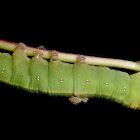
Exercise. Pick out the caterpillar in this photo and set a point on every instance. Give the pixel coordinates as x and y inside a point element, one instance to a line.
<point>60,77</point>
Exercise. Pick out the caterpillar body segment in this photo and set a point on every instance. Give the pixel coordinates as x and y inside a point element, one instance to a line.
<point>5,67</point>
<point>60,79</point>
<point>84,76</point>
<point>20,68</point>
<point>38,74</point>
<point>79,81</point>
<point>107,82</point>
<point>133,100</point>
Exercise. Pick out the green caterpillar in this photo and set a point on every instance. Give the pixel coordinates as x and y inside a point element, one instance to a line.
<point>79,81</point>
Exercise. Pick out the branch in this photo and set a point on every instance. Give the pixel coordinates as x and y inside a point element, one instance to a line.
<point>67,57</point>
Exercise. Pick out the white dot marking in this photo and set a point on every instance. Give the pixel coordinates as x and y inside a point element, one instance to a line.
<point>87,81</point>
<point>124,89</point>
<point>61,79</point>
<point>106,84</point>
<point>3,70</point>
<point>38,78</point>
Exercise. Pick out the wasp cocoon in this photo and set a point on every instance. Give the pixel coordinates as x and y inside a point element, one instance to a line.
<point>77,100</point>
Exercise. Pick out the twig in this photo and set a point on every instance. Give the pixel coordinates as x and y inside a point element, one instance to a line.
<point>67,57</point>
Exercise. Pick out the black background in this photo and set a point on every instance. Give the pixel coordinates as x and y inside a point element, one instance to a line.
<point>106,33</point>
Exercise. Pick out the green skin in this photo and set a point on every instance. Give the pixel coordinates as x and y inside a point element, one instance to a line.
<point>58,78</point>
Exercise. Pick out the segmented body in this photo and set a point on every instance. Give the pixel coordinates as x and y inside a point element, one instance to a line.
<point>79,81</point>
